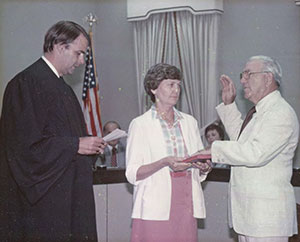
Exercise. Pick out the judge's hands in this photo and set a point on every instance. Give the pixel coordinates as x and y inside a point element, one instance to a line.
<point>176,164</point>
<point>228,90</point>
<point>91,145</point>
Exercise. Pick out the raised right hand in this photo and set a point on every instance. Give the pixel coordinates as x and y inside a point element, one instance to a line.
<point>228,90</point>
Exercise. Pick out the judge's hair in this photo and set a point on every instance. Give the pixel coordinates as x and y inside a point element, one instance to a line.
<point>271,65</point>
<point>156,74</point>
<point>63,32</point>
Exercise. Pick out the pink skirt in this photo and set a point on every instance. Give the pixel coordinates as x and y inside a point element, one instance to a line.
<point>181,227</point>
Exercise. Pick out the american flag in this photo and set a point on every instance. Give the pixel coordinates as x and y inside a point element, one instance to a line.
<point>90,96</point>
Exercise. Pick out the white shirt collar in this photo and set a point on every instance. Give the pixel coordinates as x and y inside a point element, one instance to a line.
<point>51,66</point>
<point>110,147</point>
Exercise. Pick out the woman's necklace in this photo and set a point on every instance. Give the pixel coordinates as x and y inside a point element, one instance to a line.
<point>169,120</point>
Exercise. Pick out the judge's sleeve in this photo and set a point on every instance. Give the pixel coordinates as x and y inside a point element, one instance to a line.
<point>36,154</point>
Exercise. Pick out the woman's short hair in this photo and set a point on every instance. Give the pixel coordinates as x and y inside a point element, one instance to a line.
<point>63,32</point>
<point>156,74</point>
<point>217,128</point>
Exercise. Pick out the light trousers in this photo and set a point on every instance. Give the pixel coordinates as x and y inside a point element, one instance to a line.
<point>243,238</point>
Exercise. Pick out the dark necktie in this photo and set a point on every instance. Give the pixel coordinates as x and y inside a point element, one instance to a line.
<point>114,157</point>
<point>247,119</point>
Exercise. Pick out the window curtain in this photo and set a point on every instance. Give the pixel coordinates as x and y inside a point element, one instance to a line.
<point>198,35</point>
<point>188,41</point>
<point>153,42</point>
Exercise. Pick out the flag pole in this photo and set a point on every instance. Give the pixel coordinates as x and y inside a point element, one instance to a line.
<point>92,19</point>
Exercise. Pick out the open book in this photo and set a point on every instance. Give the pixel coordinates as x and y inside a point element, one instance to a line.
<point>198,158</point>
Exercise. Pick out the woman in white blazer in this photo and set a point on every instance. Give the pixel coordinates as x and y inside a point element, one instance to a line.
<point>167,195</point>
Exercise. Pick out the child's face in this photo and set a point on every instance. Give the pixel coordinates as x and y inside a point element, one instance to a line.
<point>212,135</point>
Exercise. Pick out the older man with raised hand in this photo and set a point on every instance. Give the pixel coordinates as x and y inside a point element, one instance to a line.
<point>260,151</point>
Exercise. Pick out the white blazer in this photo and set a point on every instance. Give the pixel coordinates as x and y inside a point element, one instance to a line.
<point>146,144</point>
<point>262,197</point>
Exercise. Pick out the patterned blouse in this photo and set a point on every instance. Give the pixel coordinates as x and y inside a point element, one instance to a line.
<point>173,135</point>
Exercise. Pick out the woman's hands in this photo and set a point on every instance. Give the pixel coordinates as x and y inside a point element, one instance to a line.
<point>176,164</point>
<point>204,167</point>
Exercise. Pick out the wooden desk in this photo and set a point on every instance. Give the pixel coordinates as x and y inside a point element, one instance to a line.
<point>103,176</point>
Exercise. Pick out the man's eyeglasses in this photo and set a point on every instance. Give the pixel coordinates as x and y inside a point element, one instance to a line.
<point>246,74</point>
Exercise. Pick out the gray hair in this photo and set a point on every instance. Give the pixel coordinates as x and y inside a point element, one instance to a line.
<point>271,65</point>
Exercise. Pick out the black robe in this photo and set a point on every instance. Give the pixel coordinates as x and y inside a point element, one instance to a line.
<point>46,188</point>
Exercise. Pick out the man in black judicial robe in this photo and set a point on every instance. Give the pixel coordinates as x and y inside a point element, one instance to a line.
<point>46,156</point>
